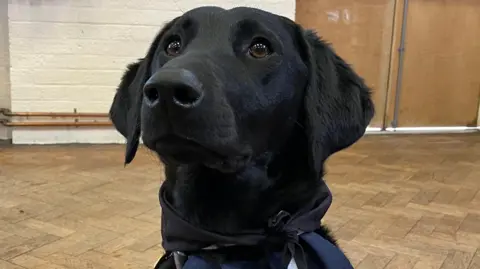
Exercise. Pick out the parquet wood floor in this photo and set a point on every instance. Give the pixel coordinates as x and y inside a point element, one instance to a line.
<point>399,202</point>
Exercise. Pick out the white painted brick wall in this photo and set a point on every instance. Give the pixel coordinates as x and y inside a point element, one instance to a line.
<point>67,54</point>
<point>4,66</point>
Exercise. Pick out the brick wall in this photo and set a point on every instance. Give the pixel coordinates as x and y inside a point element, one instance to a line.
<point>65,52</point>
<point>4,65</point>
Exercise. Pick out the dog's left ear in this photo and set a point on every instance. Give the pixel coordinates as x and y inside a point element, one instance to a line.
<point>337,102</point>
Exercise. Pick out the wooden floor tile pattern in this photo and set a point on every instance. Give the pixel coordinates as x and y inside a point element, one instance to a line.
<point>403,202</point>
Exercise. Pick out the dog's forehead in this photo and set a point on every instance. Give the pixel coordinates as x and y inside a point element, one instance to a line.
<point>216,20</point>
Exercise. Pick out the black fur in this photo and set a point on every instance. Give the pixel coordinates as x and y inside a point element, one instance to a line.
<point>265,127</point>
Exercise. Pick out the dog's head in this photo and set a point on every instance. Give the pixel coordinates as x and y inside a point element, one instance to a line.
<point>219,87</point>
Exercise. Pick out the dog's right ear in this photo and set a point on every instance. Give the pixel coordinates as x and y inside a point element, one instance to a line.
<point>125,109</point>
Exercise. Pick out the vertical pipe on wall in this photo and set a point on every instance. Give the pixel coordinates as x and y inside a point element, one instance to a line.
<point>389,79</point>
<point>401,56</point>
<point>478,115</point>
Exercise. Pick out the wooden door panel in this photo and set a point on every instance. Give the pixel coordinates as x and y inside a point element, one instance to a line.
<point>441,81</point>
<point>361,33</point>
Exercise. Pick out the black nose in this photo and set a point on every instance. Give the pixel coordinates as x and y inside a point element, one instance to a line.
<point>178,86</point>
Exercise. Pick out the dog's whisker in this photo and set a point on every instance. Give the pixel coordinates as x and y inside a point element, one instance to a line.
<point>299,124</point>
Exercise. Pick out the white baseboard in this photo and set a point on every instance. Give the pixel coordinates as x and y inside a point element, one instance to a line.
<point>423,130</point>
<point>66,136</point>
<point>111,136</point>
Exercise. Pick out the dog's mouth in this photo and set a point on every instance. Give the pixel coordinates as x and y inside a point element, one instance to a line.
<point>188,151</point>
<point>229,165</point>
<point>183,149</point>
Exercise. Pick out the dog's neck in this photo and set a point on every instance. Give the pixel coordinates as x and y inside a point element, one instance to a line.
<point>229,203</point>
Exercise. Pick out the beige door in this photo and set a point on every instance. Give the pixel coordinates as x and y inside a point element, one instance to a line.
<point>361,33</point>
<point>441,74</point>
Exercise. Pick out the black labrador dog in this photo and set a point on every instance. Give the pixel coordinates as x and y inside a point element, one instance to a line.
<point>243,107</point>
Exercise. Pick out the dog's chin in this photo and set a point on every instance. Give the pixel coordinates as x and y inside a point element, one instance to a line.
<point>183,151</point>
<point>221,164</point>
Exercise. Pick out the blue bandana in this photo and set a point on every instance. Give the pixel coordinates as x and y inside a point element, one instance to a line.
<point>187,246</point>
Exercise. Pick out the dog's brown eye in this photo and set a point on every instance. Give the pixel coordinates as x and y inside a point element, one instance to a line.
<point>173,48</point>
<point>259,50</point>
